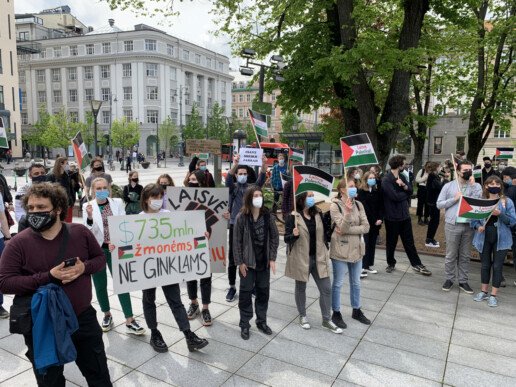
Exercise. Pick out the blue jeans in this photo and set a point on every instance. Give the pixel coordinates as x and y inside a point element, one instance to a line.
<point>339,271</point>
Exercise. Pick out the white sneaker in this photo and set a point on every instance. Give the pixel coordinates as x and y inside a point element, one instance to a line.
<point>330,325</point>
<point>363,274</point>
<point>371,271</point>
<point>303,321</point>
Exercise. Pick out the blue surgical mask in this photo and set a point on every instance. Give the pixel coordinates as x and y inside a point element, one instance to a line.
<point>352,192</point>
<point>310,201</point>
<point>102,195</point>
<point>371,182</point>
<point>202,168</point>
<point>508,182</point>
<point>281,162</point>
<point>242,179</point>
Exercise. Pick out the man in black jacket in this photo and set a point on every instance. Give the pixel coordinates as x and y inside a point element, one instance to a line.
<point>396,192</point>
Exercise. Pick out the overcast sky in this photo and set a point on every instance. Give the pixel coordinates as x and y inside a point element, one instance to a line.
<point>193,24</point>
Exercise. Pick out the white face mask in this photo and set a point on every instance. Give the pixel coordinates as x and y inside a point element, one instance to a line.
<point>357,176</point>
<point>258,202</point>
<point>156,204</point>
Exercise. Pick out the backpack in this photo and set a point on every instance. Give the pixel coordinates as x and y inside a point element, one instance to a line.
<point>329,227</point>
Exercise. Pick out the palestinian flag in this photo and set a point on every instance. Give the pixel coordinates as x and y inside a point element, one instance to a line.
<point>124,252</point>
<point>3,134</point>
<point>81,151</point>
<point>504,153</point>
<point>200,243</point>
<point>297,155</point>
<point>259,121</point>
<point>472,208</point>
<point>477,173</point>
<point>285,178</point>
<point>357,150</point>
<point>312,179</point>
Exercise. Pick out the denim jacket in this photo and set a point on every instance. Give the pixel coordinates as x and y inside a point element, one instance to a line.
<point>506,220</point>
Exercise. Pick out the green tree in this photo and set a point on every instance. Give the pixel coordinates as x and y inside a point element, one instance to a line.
<point>59,130</point>
<point>125,134</point>
<point>217,127</point>
<point>194,128</point>
<point>168,135</point>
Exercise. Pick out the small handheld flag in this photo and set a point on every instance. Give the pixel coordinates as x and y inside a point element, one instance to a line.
<point>473,208</point>
<point>80,151</point>
<point>312,179</point>
<point>259,122</point>
<point>3,134</point>
<point>297,155</point>
<point>504,153</point>
<point>357,150</point>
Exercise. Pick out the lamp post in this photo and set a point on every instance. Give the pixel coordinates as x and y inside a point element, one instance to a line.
<point>181,88</point>
<point>229,120</point>
<point>111,100</point>
<point>95,108</point>
<point>157,141</point>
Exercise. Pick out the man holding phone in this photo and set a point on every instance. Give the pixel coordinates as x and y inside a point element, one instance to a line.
<point>32,259</point>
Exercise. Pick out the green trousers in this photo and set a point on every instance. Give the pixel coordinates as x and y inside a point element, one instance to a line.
<point>100,282</point>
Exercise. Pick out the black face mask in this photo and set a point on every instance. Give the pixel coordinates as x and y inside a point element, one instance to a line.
<point>194,185</point>
<point>494,190</point>
<point>135,180</point>
<point>98,169</point>
<point>164,186</point>
<point>467,175</point>
<point>39,179</point>
<point>41,221</point>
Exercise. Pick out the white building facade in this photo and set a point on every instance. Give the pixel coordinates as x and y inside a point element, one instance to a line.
<point>142,75</point>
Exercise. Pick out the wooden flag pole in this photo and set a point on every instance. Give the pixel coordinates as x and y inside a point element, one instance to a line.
<point>491,214</point>
<point>81,176</point>
<point>294,195</point>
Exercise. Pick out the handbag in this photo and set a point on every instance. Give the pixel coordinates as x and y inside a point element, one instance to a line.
<point>10,221</point>
<point>20,317</point>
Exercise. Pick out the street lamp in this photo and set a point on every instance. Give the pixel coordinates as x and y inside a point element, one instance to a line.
<point>157,141</point>
<point>95,108</point>
<point>181,88</point>
<point>111,100</point>
<point>238,139</point>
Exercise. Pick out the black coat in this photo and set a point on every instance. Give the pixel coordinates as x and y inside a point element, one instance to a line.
<point>373,204</point>
<point>395,198</point>
<point>433,188</point>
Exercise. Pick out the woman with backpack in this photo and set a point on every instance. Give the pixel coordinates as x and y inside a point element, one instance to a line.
<point>347,248</point>
<point>255,244</point>
<point>308,255</point>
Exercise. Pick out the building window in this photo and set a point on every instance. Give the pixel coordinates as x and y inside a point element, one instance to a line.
<point>57,52</point>
<point>106,117</point>
<point>186,55</point>
<point>90,49</point>
<point>223,86</point>
<point>150,45</point>
<point>128,93</point>
<point>128,114</point>
<point>240,98</point>
<point>199,99</point>
<point>152,116</point>
<point>23,98</point>
<point>438,145</point>
<point>21,74</point>
<point>72,95</point>
<point>173,74</point>
<point>152,92</point>
<point>88,72</point>
<point>24,119</point>
<point>74,51</point>
<point>221,66</point>
<point>106,48</point>
<point>42,96</point>
<point>500,133</point>
<point>72,73</point>
<point>461,141</point>
<point>106,93</point>
<point>1,94</point>
<point>58,98</point>
<point>128,45</point>
<point>56,75</point>
<point>208,63</point>
<point>233,98</point>
<point>152,69</point>
<point>173,96</point>
<point>104,71</point>
<point>23,36</point>
<point>74,116</point>
<point>173,115</point>
<point>241,113</point>
<point>43,54</point>
<point>170,50</point>
<point>127,70</point>
<point>248,97</point>
<point>88,94</point>
<point>233,112</point>
<point>273,97</point>
<point>197,59</point>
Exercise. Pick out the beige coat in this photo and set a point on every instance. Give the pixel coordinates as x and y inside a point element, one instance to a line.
<point>298,261</point>
<point>349,246</point>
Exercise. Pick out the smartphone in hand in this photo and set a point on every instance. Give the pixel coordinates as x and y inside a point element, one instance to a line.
<point>70,262</point>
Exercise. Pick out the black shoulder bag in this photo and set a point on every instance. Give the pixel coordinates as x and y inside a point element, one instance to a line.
<point>20,317</point>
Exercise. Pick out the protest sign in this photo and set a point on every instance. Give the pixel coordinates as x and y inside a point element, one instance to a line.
<point>214,202</point>
<point>154,250</point>
<point>251,157</point>
<point>203,146</point>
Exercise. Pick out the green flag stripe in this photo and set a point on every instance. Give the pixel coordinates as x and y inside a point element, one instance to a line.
<point>3,142</point>
<point>366,159</point>
<point>303,187</point>
<point>476,215</point>
<point>260,131</point>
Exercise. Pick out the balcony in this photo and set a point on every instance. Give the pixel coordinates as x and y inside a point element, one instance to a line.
<point>27,47</point>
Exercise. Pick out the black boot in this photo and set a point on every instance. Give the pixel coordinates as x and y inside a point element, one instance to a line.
<point>336,317</point>
<point>193,341</point>
<point>425,222</point>
<point>157,342</point>
<point>358,315</point>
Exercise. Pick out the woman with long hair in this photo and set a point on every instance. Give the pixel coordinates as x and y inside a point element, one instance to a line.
<point>198,179</point>
<point>370,195</point>
<point>165,181</point>
<point>255,244</point>
<point>60,175</point>
<point>308,255</point>
<point>151,203</point>
<point>347,248</point>
<point>95,217</point>
<point>492,239</point>
<point>132,194</point>
<point>98,170</point>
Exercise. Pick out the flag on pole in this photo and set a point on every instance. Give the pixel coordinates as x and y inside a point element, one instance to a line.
<point>504,153</point>
<point>259,121</point>
<point>312,179</point>
<point>472,208</point>
<point>477,173</point>
<point>357,150</point>
<point>3,135</point>
<point>285,178</point>
<point>297,155</point>
<point>81,151</point>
